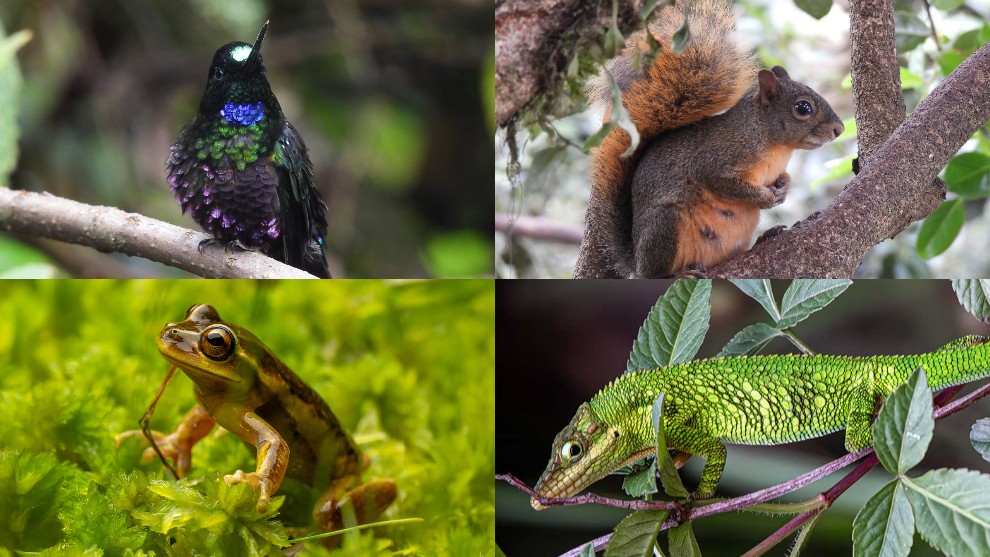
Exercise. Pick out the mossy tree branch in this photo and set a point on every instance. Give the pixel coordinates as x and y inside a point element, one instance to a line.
<point>111,230</point>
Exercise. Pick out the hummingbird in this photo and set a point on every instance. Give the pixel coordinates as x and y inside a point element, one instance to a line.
<point>243,172</point>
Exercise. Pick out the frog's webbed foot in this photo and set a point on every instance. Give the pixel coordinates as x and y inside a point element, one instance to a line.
<point>361,505</point>
<point>258,482</point>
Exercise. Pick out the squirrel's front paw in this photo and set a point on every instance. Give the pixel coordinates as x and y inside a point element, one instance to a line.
<point>779,188</point>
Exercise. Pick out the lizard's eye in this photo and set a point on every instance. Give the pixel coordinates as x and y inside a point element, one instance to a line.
<point>803,109</point>
<point>217,342</point>
<point>571,451</point>
<point>217,73</point>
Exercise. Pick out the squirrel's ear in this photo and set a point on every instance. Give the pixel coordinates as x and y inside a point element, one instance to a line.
<point>769,86</point>
<point>780,72</point>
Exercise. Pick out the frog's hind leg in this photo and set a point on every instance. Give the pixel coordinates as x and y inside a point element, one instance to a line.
<point>341,507</point>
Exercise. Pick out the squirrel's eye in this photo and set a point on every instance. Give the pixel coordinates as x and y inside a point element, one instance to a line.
<point>217,72</point>
<point>803,108</point>
<point>571,451</point>
<point>217,342</point>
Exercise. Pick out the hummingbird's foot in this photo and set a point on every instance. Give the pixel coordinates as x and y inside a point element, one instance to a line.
<point>207,242</point>
<point>235,246</point>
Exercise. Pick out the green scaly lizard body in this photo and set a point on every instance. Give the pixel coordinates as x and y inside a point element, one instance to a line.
<point>755,400</point>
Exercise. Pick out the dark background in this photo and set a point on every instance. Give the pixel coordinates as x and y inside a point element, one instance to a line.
<point>394,100</point>
<point>558,345</point>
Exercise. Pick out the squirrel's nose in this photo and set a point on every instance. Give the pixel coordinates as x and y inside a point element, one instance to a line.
<point>838,128</point>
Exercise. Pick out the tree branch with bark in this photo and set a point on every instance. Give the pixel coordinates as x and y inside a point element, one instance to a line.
<point>111,230</point>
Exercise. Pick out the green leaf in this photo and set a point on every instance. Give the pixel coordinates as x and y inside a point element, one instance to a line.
<point>636,534</point>
<point>815,8</point>
<point>804,536</point>
<point>682,541</point>
<point>618,116</point>
<point>669,477</point>
<point>838,168</point>
<point>905,425</point>
<point>949,61</point>
<point>946,5</point>
<point>614,41</point>
<point>750,340</point>
<point>979,436</point>
<point>675,326</point>
<point>681,37</point>
<point>940,229</point>
<point>952,510</point>
<point>974,295</point>
<point>10,97</point>
<point>910,80</point>
<point>588,550</point>
<point>884,527</point>
<point>968,174</point>
<point>642,482</point>
<point>909,31</point>
<point>805,297</point>
<point>761,291</point>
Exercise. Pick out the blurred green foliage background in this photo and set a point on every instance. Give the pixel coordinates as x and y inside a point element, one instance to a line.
<point>393,99</point>
<point>408,368</point>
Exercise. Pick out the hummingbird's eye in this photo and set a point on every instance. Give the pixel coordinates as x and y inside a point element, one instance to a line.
<point>217,72</point>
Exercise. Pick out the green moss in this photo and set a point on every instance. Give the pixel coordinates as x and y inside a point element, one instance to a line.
<point>407,367</point>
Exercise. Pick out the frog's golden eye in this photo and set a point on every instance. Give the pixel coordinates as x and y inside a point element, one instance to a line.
<point>217,342</point>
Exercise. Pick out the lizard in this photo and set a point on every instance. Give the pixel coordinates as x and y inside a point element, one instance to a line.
<point>747,400</point>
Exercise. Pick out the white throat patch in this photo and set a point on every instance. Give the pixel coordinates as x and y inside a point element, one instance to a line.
<point>241,53</point>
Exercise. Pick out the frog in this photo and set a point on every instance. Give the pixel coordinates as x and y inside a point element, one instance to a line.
<point>240,384</point>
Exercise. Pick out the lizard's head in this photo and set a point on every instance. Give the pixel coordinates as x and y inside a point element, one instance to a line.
<point>586,451</point>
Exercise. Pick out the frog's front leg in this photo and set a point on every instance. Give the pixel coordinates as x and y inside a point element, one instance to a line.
<point>177,445</point>
<point>344,505</point>
<point>273,454</point>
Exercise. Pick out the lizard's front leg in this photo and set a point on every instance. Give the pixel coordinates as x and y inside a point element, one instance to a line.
<point>859,414</point>
<point>692,440</point>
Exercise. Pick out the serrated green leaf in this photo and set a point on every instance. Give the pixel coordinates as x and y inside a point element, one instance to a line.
<point>682,541</point>
<point>805,297</point>
<point>952,510</point>
<point>974,295</point>
<point>979,437</point>
<point>642,482</point>
<point>761,291</point>
<point>884,527</point>
<point>750,340</point>
<point>669,477</point>
<point>675,327</point>
<point>968,174</point>
<point>636,534</point>
<point>815,8</point>
<point>940,229</point>
<point>905,425</point>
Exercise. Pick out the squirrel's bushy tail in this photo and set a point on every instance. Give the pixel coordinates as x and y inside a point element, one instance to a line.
<point>709,76</point>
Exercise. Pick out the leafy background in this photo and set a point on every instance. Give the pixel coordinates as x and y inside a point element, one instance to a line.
<point>572,341</point>
<point>810,39</point>
<point>407,367</point>
<point>394,101</point>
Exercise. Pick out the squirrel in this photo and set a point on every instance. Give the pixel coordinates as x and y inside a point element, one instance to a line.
<point>713,149</point>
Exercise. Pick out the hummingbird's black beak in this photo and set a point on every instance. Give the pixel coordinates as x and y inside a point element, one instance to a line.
<point>256,49</point>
